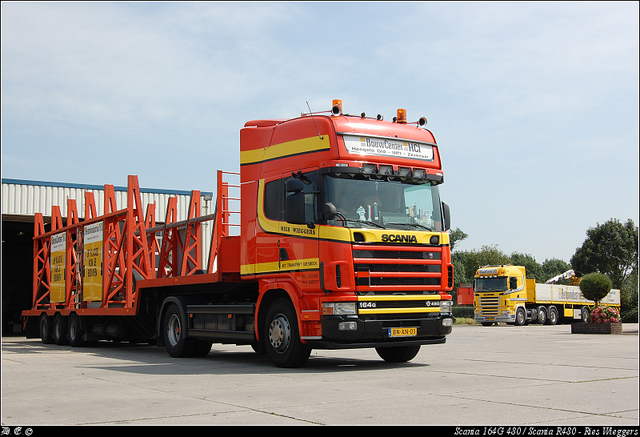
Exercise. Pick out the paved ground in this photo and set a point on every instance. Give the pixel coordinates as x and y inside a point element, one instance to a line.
<point>500,375</point>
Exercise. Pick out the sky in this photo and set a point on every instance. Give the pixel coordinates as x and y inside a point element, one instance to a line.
<point>534,106</point>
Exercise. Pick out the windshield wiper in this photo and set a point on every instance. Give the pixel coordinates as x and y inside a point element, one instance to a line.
<point>367,223</point>
<point>415,225</point>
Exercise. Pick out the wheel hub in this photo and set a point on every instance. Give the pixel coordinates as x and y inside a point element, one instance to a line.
<point>173,330</point>
<point>280,333</point>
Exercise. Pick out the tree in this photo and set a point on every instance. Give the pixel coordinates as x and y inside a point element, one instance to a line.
<point>554,267</point>
<point>595,286</point>
<point>534,270</point>
<point>456,236</point>
<point>474,259</point>
<point>611,249</point>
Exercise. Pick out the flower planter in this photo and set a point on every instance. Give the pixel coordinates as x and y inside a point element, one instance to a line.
<point>596,328</point>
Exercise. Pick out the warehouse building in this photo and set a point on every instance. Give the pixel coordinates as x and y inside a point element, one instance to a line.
<point>22,199</point>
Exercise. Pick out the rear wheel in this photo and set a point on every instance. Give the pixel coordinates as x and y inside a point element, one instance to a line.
<point>46,329</point>
<point>175,331</point>
<point>554,316</point>
<point>60,328</point>
<point>75,332</point>
<point>281,336</point>
<point>542,315</point>
<point>584,313</point>
<point>398,354</point>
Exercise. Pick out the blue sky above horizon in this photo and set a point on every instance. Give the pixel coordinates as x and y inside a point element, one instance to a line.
<point>534,105</point>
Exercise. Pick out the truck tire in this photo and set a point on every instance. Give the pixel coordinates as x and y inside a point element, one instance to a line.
<point>398,354</point>
<point>75,332</point>
<point>521,317</point>
<point>60,329</point>
<point>46,329</point>
<point>202,348</point>
<point>174,331</point>
<point>554,316</point>
<point>542,314</point>
<point>584,314</point>
<point>281,336</point>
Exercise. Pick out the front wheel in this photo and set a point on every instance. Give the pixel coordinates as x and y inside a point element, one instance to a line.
<point>521,317</point>
<point>281,336</point>
<point>398,354</point>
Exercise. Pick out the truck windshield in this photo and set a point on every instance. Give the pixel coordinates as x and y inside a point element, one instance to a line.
<point>491,284</point>
<point>363,202</point>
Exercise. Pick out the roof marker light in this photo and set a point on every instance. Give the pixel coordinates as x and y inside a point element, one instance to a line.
<point>336,108</point>
<point>402,115</point>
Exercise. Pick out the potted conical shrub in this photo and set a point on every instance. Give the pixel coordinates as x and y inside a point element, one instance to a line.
<point>603,319</point>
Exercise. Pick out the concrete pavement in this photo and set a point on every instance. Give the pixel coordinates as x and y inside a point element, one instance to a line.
<point>501,375</point>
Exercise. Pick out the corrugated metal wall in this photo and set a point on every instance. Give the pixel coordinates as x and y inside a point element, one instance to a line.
<point>23,198</point>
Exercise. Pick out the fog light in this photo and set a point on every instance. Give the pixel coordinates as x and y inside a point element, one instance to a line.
<point>447,322</point>
<point>347,326</point>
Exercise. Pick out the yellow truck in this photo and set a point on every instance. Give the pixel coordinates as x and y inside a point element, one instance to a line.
<point>503,294</point>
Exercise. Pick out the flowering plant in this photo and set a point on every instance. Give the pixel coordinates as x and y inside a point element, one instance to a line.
<point>605,315</point>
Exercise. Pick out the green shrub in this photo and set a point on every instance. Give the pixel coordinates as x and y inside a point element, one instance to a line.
<point>595,286</point>
<point>463,311</point>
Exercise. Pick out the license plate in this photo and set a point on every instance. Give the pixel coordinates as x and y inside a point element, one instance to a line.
<point>403,332</point>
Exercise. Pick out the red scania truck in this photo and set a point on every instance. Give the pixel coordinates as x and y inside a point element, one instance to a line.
<point>343,243</point>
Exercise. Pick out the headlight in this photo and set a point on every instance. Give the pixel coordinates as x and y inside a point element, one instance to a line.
<point>446,306</point>
<point>338,308</point>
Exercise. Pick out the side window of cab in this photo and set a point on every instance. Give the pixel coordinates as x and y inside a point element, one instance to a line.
<point>274,200</point>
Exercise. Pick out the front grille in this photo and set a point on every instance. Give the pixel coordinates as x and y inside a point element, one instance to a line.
<point>381,281</point>
<point>386,271</point>
<point>406,268</point>
<point>397,254</point>
<point>489,305</point>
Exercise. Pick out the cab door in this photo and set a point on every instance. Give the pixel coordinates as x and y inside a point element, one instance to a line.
<point>298,242</point>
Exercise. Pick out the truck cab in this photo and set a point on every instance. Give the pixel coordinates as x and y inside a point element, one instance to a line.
<point>342,216</point>
<point>501,294</point>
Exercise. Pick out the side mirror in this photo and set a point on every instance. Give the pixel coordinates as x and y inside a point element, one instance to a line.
<point>446,216</point>
<point>293,185</point>
<point>329,211</point>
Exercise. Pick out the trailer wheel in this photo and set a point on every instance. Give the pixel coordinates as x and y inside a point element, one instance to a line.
<point>584,314</point>
<point>75,332</point>
<point>175,341</point>
<point>553,316</point>
<point>46,329</point>
<point>281,337</point>
<point>60,328</point>
<point>542,315</point>
<point>398,354</point>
